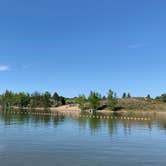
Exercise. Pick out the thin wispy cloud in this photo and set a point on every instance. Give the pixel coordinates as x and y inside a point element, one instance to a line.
<point>4,68</point>
<point>136,45</point>
<point>26,66</point>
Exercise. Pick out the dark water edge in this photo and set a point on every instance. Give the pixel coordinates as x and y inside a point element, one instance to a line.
<point>27,139</point>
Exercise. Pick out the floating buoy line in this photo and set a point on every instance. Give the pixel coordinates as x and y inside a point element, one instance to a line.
<point>79,115</point>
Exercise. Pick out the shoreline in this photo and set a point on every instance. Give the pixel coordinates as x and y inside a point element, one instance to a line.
<point>74,110</point>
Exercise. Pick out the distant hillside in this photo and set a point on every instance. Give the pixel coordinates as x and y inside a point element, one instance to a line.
<point>141,103</point>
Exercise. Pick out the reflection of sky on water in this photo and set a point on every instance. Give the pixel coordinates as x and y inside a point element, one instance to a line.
<point>2,148</point>
<point>94,126</point>
<point>27,140</point>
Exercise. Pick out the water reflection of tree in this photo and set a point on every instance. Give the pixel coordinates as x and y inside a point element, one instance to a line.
<point>82,122</point>
<point>112,126</point>
<point>45,119</point>
<point>94,124</point>
<point>58,119</point>
<point>91,123</point>
<point>9,119</point>
<point>161,120</point>
<point>6,118</point>
<point>129,124</point>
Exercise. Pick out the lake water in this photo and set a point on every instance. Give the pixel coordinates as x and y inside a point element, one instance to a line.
<point>27,140</point>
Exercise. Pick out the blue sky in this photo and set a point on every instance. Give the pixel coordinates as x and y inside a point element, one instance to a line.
<point>76,46</point>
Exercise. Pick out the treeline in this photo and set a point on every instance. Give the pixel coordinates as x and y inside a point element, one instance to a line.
<point>34,100</point>
<point>96,101</point>
<point>45,100</point>
<point>161,98</point>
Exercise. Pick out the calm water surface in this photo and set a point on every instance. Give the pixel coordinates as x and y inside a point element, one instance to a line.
<point>65,141</point>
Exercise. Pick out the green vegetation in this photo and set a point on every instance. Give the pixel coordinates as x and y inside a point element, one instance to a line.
<point>162,98</point>
<point>112,100</point>
<point>81,100</point>
<point>34,100</point>
<point>128,95</point>
<point>124,95</point>
<point>94,101</point>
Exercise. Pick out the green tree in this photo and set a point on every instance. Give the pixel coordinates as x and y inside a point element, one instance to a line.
<point>21,99</point>
<point>148,97</point>
<point>163,98</point>
<point>55,96</point>
<point>81,100</point>
<point>111,99</point>
<point>7,99</point>
<point>94,100</point>
<point>104,98</point>
<point>62,100</point>
<point>124,95</point>
<point>46,100</point>
<point>128,95</point>
<point>56,99</point>
<point>36,100</point>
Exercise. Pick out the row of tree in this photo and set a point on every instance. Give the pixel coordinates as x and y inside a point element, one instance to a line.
<point>46,100</point>
<point>161,98</point>
<point>36,99</point>
<point>94,100</point>
<point>126,95</point>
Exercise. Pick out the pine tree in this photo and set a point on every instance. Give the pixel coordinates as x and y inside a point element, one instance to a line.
<point>128,95</point>
<point>124,95</point>
<point>112,99</point>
